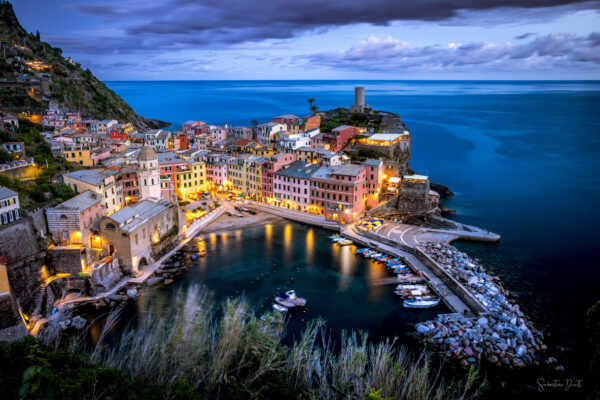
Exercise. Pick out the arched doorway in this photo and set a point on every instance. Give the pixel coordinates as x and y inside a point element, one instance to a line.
<point>111,249</point>
<point>143,264</point>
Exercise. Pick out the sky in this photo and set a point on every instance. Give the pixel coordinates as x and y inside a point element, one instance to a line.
<point>322,39</point>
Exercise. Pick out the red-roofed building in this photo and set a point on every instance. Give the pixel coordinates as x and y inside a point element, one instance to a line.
<point>340,137</point>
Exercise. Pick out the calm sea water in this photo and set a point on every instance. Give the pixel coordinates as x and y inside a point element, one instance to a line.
<point>521,156</point>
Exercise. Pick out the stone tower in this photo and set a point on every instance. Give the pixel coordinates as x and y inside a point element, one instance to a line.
<point>148,173</point>
<point>359,96</point>
<point>359,101</point>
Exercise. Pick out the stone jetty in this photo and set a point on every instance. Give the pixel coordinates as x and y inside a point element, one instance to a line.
<point>503,336</point>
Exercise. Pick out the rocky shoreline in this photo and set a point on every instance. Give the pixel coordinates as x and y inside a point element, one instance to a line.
<point>504,337</point>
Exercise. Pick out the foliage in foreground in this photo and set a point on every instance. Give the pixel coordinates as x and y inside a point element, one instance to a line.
<point>31,370</point>
<point>237,355</point>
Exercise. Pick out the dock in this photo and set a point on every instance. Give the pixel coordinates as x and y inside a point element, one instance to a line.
<point>452,300</point>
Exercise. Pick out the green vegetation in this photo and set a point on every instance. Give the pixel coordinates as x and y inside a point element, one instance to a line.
<point>233,354</point>
<point>75,88</point>
<point>31,370</point>
<point>338,117</point>
<point>42,189</point>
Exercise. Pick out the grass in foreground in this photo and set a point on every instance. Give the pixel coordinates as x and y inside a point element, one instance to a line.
<point>238,355</point>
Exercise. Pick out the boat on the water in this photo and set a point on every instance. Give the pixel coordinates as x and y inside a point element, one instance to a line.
<point>359,251</point>
<point>411,287</point>
<point>345,242</point>
<point>279,308</point>
<point>291,296</point>
<point>283,299</point>
<point>417,303</point>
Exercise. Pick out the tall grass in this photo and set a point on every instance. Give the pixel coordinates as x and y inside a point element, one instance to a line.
<point>233,348</point>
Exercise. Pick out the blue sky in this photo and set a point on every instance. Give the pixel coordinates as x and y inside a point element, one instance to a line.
<point>321,39</point>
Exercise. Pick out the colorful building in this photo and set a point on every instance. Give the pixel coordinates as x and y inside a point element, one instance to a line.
<point>340,137</point>
<point>10,210</point>
<point>191,180</point>
<point>274,164</point>
<point>339,192</point>
<point>71,221</point>
<point>375,176</point>
<point>292,186</point>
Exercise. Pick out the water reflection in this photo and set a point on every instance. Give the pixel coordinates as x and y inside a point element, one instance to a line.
<point>310,247</point>
<point>338,286</point>
<point>375,272</point>
<point>287,242</point>
<point>268,237</point>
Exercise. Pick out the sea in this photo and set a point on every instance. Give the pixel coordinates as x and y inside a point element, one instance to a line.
<point>522,157</point>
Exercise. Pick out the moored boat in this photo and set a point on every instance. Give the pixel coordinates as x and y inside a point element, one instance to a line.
<point>417,303</point>
<point>279,308</point>
<point>291,296</point>
<point>283,299</point>
<point>359,251</point>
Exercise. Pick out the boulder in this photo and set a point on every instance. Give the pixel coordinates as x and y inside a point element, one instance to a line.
<point>155,280</point>
<point>115,297</point>
<point>493,359</point>
<point>78,322</point>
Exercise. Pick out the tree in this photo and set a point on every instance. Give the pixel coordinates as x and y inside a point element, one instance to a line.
<point>254,123</point>
<point>37,35</point>
<point>313,109</point>
<point>310,104</point>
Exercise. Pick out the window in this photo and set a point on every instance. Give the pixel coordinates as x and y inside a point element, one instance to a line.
<point>109,226</point>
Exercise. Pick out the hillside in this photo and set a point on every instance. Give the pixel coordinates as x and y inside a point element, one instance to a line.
<point>33,72</point>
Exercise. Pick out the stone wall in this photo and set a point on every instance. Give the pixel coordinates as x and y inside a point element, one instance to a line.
<point>66,259</point>
<point>19,240</point>
<point>22,173</point>
<point>11,324</point>
<point>38,219</point>
<point>25,278</point>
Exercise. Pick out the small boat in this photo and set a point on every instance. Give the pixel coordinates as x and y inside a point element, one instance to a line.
<point>384,259</point>
<point>417,303</point>
<point>277,307</point>
<point>358,251</point>
<point>368,253</point>
<point>291,296</point>
<point>334,236</point>
<point>393,263</point>
<point>394,260</point>
<point>345,242</point>
<point>375,255</point>
<point>283,299</point>
<point>412,280</point>
<point>411,287</point>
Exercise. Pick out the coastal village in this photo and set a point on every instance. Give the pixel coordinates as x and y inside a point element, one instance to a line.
<point>94,211</point>
<point>140,198</point>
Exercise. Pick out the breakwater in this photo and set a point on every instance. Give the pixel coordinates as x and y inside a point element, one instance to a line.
<point>504,336</point>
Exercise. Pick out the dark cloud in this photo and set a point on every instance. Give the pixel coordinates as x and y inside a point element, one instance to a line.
<point>525,35</point>
<point>176,24</point>
<point>386,54</point>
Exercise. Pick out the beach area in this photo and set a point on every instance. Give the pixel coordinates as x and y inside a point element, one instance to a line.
<point>232,222</point>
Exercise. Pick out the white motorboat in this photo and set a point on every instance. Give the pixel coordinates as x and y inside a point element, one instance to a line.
<point>291,296</point>
<point>277,307</point>
<point>284,301</point>
<point>411,287</point>
<point>420,303</point>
